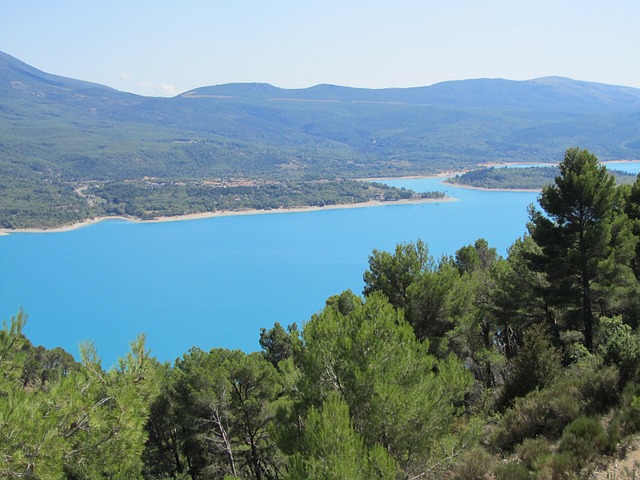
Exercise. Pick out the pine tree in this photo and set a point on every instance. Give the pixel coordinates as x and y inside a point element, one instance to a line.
<point>577,237</point>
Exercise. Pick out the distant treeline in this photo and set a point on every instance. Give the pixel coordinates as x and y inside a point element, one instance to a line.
<point>530,178</point>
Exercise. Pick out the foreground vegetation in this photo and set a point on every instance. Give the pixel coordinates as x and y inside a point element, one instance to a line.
<point>465,367</point>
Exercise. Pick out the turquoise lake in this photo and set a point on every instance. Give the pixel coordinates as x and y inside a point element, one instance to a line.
<point>215,282</point>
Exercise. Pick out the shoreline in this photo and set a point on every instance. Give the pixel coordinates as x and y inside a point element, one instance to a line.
<point>446,173</point>
<point>225,213</point>
<point>506,164</point>
<point>547,164</point>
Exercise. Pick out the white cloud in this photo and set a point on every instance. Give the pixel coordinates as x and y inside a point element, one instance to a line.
<point>147,88</point>
<point>163,89</point>
<point>168,89</point>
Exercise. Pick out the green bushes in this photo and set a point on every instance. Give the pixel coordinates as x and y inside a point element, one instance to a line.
<point>542,412</point>
<point>618,345</point>
<point>474,464</point>
<point>583,439</point>
<point>626,418</point>
<point>558,466</point>
<point>537,364</point>
<point>532,449</point>
<point>512,471</point>
<point>585,389</point>
<point>581,442</point>
<point>598,389</point>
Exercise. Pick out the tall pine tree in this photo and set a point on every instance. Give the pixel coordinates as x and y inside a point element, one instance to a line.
<point>578,238</point>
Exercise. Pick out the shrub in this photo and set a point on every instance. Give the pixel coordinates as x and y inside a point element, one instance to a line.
<point>619,345</point>
<point>512,471</point>
<point>559,466</point>
<point>626,419</point>
<point>474,464</point>
<point>599,389</point>
<point>532,449</point>
<point>536,365</point>
<point>584,438</point>
<point>545,412</point>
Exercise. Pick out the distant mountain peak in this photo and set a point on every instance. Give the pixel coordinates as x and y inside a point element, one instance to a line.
<point>12,64</point>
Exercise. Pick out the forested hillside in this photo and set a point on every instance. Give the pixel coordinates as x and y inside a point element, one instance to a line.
<point>59,135</point>
<point>469,366</point>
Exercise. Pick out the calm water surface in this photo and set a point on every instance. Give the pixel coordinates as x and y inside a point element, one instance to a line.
<point>214,282</point>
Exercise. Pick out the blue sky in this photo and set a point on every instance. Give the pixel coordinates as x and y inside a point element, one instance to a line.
<point>168,47</point>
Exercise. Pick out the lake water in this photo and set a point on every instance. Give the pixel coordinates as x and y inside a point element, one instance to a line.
<point>214,282</point>
<point>629,167</point>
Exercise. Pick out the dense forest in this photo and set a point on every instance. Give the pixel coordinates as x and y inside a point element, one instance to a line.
<point>470,366</point>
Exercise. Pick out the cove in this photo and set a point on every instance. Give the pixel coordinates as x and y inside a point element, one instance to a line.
<point>215,282</point>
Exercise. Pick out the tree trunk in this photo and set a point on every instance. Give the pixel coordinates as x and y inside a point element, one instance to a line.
<point>587,314</point>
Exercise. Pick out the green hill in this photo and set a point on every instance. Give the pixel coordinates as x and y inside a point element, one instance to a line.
<point>56,132</point>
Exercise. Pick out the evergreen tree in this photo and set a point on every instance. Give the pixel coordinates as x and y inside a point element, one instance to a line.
<point>398,394</point>
<point>436,300</point>
<point>521,296</point>
<point>278,344</point>
<point>476,337</point>
<point>85,423</point>
<point>393,274</point>
<point>214,418</point>
<point>632,209</point>
<point>576,236</point>
<point>536,365</point>
<point>331,449</point>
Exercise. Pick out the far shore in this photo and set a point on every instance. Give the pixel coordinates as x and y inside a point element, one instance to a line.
<point>488,189</point>
<point>506,164</point>
<point>446,173</point>
<point>550,164</point>
<point>224,213</point>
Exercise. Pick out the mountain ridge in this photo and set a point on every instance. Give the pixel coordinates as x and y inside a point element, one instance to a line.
<point>447,114</point>
<point>440,94</point>
<point>325,91</point>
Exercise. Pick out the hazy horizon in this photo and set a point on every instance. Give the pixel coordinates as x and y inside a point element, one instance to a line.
<point>165,48</point>
<point>323,84</point>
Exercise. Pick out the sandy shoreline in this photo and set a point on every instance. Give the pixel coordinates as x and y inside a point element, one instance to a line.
<point>506,164</point>
<point>225,213</point>
<point>550,164</point>
<point>446,173</point>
